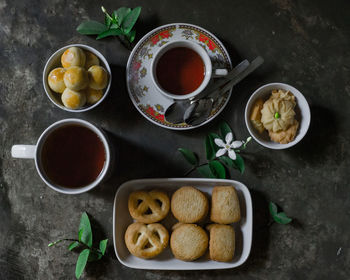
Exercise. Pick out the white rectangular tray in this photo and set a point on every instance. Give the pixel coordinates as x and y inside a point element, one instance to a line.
<point>166,261</point>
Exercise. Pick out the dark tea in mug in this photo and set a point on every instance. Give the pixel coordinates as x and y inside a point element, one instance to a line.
<point>180,71</point>
<point>73,156</point>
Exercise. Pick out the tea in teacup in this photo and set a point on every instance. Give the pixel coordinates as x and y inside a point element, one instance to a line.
<point>73,156</point>
<point>180,70</point>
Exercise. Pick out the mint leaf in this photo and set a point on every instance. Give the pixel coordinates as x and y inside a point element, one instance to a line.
<point>205,171</point>
<point>91,27</point>
<point>217,169</point>
<point>189,156</point>
<point>224,129</point>
<point>121,13</point>
<point>103,246</point>
<point>73,245</point>
<point>81,262</point>
<point>85,230</point>
<point>109,32</point>
<point>130,20</point>
<point>239,162</point>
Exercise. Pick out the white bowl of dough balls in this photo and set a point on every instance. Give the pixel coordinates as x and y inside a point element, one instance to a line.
<point>277,116</point>
<point>77,78</point>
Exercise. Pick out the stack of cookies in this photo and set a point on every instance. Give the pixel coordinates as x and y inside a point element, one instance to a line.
<point>189,240</point>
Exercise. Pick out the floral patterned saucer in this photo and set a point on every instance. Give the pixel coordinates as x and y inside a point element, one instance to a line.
<point>143,93</point>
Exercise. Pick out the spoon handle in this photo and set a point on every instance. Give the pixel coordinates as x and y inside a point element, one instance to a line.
<point>238,77</point>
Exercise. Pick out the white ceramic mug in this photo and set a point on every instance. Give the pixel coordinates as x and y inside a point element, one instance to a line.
<point>209,72</point>
<point>34,152</point>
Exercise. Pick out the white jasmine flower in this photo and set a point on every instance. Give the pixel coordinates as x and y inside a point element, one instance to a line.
<point>228,147</point>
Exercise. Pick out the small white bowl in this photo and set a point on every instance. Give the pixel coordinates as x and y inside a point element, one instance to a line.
<point>55,61</point>
<point>302,110</point>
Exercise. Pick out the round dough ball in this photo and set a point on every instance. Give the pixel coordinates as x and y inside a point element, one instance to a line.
<point>55,80</point>
<point>73,99</point>
<point>76,78</point>
<point>91,60</point>
<point>98,77</point>
<point>73,56</point>
<point>93,95</point>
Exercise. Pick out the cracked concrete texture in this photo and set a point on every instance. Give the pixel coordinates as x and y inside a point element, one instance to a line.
<point>304,43</point>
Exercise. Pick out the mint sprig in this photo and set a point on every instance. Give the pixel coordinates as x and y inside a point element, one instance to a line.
<point>215,167</point>
<point>84,242</point>
<point>120,23</point>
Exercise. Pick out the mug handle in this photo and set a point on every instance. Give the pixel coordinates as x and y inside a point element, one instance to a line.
<point>218,73</point>
<point>23,151</point>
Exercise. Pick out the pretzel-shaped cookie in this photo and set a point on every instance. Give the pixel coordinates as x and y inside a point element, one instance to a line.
<point>148,207</point>
<point>146,241</point>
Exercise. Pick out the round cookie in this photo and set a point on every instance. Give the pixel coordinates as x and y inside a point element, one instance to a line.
<point>93,95</point>
<point>189,205</point>
<point>73,56</point>
<point>146,241</point>
<point>73,99</point>
<point>188,242</point>
<point>55,80</point>
<point>98,77</point>
<point>91,59</point>
<point>76,78</point>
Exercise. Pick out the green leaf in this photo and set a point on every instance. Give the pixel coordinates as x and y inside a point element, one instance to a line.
<point>272,208</point>
<point>281,217</point>
<point>91,27</point>
<point>209,147</point>
<point>103,246</point>
<point>130,20</point>
<point>224,129</point>
<point>131,36</point>
<point>108,21</point>
<point>228,161</point>
<point>73,245</point>
<point>109,32</point>
<point>217,169</point>
<point>81,262</point>
<point>85,229</point>
<point>94,256</point>
<point>205,171</point>
<point>190,156</point>
<point>239,162</point>
<point>121,13</point>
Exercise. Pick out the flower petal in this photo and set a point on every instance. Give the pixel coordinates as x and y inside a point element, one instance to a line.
<point>229,138</point>
<point>220,152</point>
<point>232,154</point>
<point>236,144</point>
<point>219,142</point>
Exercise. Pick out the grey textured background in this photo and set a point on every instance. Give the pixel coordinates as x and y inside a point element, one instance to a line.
<point>304,43</point>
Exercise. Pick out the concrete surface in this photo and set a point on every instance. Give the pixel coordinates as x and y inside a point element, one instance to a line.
<point>304,43</point>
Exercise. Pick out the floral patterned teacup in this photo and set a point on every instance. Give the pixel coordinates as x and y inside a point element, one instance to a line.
<point>209,72</point>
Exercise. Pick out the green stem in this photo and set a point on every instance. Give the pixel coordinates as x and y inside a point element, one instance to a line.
<point>193,169</point>
<point>75,240</point>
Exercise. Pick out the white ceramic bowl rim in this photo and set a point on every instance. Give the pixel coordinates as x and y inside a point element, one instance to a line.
<point>301,103</point>
<point>46,73</point>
